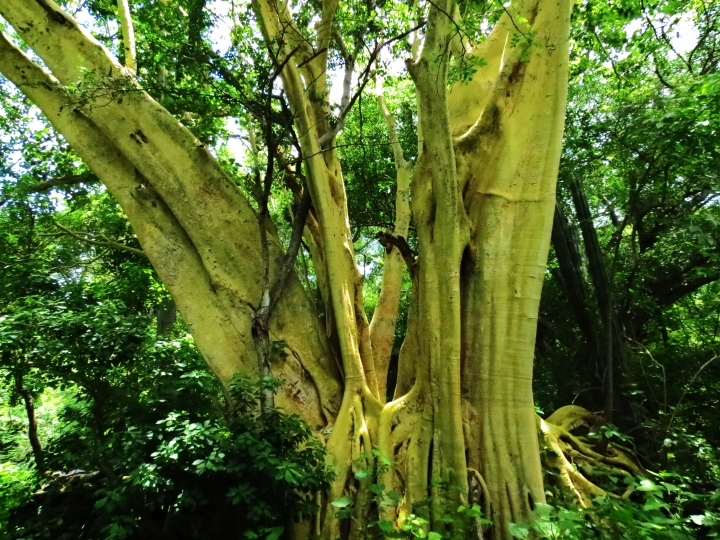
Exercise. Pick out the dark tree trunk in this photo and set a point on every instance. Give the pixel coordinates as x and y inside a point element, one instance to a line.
<point>32,421</point>
<point>573,281</point>
<point>603,289</point>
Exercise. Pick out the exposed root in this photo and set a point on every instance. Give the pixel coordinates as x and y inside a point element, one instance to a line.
<point>404,439</point>
<point>350,449</point>
<point>363,460</point>
<point>480,495</point>
<point>574,460</point>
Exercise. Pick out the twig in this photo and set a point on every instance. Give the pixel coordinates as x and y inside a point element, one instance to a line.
<point>107,243</point>
<point>68,180</point>
<point>675,409</point>
<point>293,248</point>
<point>310,59</point>
<point>663,370</point>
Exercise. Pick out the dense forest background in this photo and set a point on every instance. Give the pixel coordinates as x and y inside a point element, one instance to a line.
<point>112,426</point>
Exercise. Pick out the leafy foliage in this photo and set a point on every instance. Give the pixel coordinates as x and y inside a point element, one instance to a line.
<point>191,473</point>
<point>138,438</point>
<point>658,509</point>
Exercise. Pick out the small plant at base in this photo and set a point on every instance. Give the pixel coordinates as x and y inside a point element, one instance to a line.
<point>458,523</point>
<point>655,510</point>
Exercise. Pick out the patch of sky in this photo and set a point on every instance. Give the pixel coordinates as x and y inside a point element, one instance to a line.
<point>682,33</point>
<point>237,141</point>
<point>221,31</point>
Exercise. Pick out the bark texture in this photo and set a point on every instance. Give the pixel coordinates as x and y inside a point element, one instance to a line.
<point>157,171</point>
<point>384,320</point>
<point>508,123</point>
<point>461,427</point>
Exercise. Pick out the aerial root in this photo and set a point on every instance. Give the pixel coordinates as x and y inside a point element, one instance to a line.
<point>480,495</point>
<point>574,460</point>
<point>400,433</point>
<point>362,459</point>
<point>477,483</point>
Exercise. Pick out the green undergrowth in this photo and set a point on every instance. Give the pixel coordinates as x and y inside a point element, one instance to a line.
<point>242,474</point>
<point>659,506</point>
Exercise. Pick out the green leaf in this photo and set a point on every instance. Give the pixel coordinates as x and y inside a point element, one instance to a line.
<point>518,531</point>
<point>362,474</point>
<point>474,511</point>
<point>704,519</point>
<point>543,510</point>
<point>622,515</point>
<point>386,526</point>
<point>342,502</point>
<point>648,485</point>
<point>653,503</point>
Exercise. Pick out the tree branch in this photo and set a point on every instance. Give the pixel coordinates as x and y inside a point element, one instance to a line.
<point>69,180</point>
<point>388,241</point>
<point>390,123</point>
<point>106,243</point>
<point>660,75</point>
<point>128,34</point>
<point>32,422</point>
<point>326,139</point>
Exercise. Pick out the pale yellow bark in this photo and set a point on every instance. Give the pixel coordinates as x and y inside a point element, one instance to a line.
<point>384,320</point>
<point>410,350</point>
<point>483,195</point>
<point>327,189</point>
<point>328,194</point>
<point>163,240</point>
<point>508,122</point>
<point>443,233</point>
<point>169,162</point>
<point>576,460</point>
<point>128,35</point>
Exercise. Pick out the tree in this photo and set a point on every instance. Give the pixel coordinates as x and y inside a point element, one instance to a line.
<point>641,150</point>
<point>461,428</point>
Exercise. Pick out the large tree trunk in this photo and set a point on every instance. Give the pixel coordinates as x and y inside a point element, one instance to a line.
<point>483,193</point>
<point>196,228</point>
<point>509,120</point>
